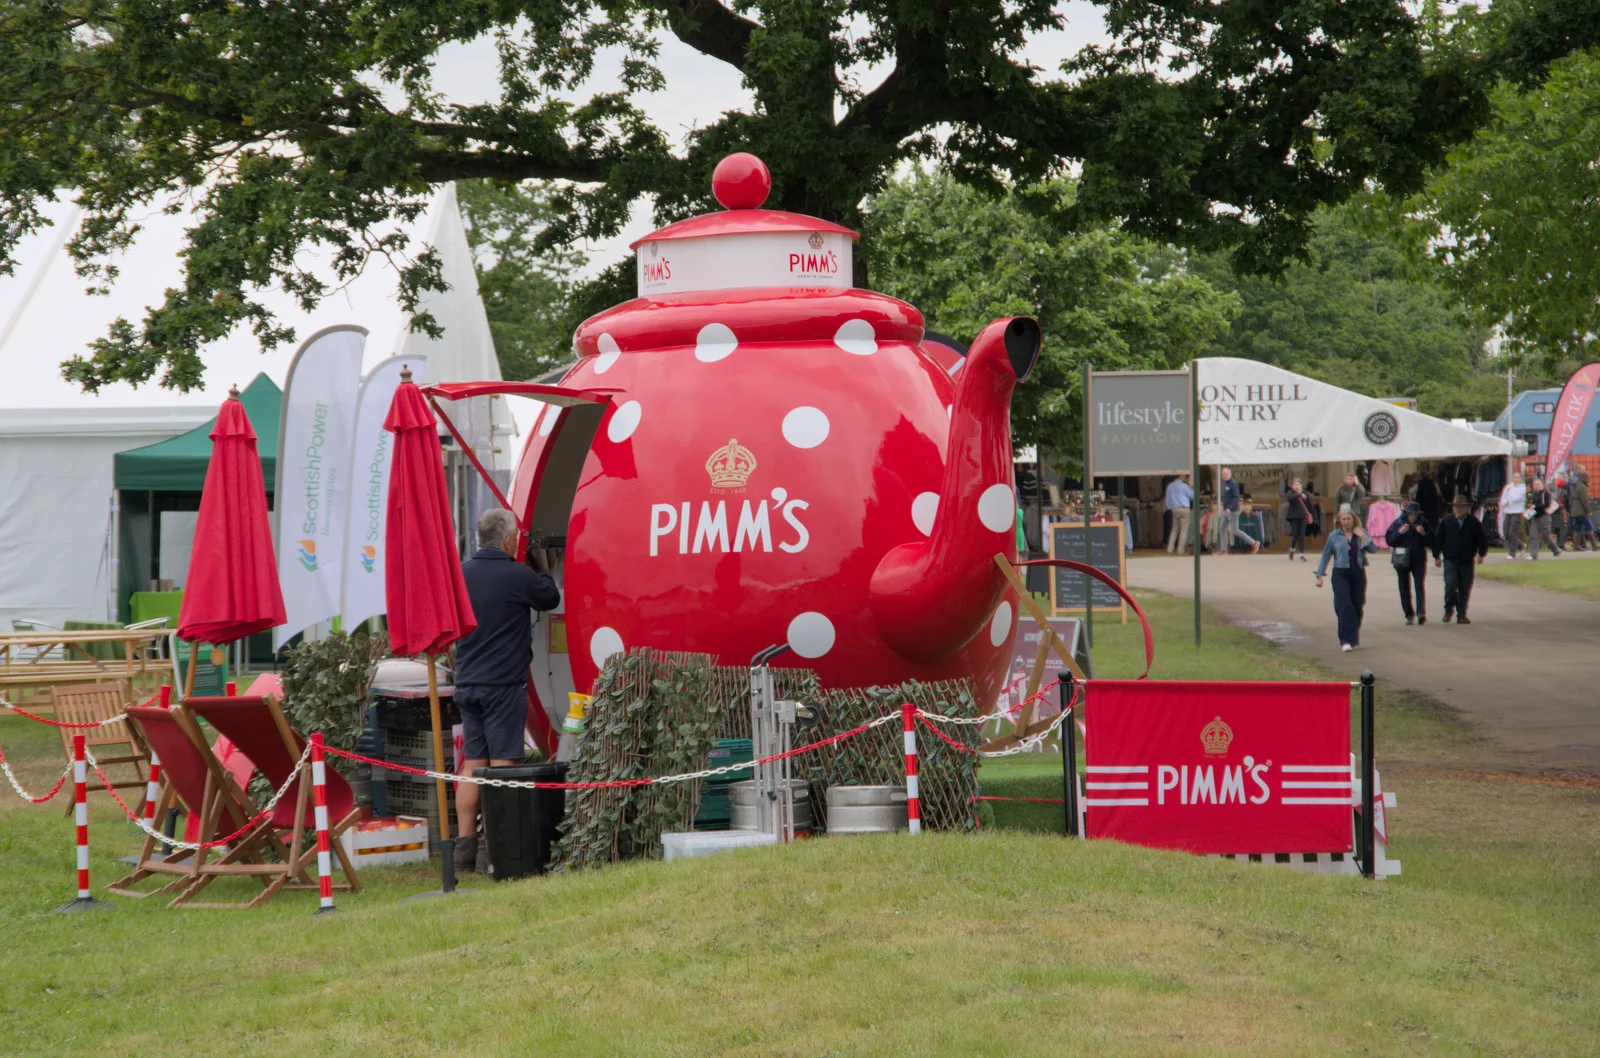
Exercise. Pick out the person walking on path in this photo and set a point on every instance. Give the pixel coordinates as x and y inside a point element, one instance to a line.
<point>1427,496</point>
<point>1298,514</point>
<point>1409,538</point>
<point>1540,504</point>
<point>1231,498</point>
<point>1582,523</point>
<point>1180,504</point>
<point>1351,495</point>
<point>1347,548</point>
<point>1513,501</point>
<point>1459,544</point>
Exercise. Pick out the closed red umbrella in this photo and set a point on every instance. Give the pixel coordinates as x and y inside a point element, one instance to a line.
<point>423,586</point>
<point>232,590</point>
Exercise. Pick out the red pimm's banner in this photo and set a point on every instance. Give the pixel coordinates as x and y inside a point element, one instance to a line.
<point>1219,767</point>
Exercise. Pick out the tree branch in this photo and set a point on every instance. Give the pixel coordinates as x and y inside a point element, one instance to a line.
<point>711,29</point>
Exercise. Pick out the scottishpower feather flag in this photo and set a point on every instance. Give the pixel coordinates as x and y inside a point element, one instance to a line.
<point>312,497</point>
<point>370,460</point>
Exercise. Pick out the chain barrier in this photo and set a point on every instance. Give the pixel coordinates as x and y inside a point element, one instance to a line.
<point>998,714</point>
<point>196,845</point>
<point>107,722</point>
<point>5,766</point>
<point>529,784</point>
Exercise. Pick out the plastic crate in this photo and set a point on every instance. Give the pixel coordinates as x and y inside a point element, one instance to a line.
<point>405,797</point>
<point>730,751</point>
<point>406,710</point>
<point>414,749</point>
<point>388,842</point>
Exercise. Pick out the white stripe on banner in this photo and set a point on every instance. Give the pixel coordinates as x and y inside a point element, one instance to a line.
<point>1316,800</point>
<point>1119,769</point>
<point>1110,802</point>
<point>1118,785</point>
<point>1319,784</point>
<point>322,817</point>
<point>1331,768</point>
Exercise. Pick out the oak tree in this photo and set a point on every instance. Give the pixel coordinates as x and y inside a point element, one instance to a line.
<point>315,124</point>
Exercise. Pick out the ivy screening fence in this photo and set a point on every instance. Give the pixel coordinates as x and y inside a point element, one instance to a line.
<point>659,712</point>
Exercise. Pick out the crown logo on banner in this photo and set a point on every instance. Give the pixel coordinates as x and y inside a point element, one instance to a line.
<point>1216,737</point>
<point>731,465</point>
<point>814,240</point>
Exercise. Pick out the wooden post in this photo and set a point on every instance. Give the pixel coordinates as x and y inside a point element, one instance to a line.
<point>1088,509</point>
<point>188,678</point>
<point>447,849</point>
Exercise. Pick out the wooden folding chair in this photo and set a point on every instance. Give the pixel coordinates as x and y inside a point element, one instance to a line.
<point>114,746</point>
<point>258,727</point>
<point>191,775</point>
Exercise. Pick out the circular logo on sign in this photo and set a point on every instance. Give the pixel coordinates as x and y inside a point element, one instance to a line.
<point>1381,428</point>
<point>815,240</point>
<point>218,657</point>
<point>654,250</point>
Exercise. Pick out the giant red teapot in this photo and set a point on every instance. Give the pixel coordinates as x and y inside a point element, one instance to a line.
<point>780,461</point>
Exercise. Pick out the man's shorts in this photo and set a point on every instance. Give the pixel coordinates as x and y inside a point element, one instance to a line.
<point>493,720</point>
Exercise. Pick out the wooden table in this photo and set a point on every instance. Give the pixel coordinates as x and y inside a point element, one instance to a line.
<point>27,667</point>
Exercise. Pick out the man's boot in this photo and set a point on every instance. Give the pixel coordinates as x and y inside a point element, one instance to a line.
<point>466,852</point>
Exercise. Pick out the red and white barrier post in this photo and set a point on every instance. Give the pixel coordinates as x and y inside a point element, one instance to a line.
<point>908,721</point>
<point>80,808</point>
<point>319,792</point>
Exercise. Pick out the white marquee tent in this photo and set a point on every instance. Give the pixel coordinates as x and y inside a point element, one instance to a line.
<point>57,443</point>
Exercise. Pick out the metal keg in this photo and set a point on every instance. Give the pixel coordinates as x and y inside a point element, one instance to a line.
<point>742,805</point>
<point>866,809</point>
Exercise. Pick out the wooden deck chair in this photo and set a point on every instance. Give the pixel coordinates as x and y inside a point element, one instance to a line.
<point>192,777</point>
<point>114,746</point>
<point>258,727</point>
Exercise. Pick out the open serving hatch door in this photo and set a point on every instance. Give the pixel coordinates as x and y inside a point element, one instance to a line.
<point>541,498</point>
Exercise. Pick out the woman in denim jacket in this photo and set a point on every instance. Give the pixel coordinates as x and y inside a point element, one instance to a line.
<point>1347,546</point>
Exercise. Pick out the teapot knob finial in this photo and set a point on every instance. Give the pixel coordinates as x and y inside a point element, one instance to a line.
<point>741,181</point>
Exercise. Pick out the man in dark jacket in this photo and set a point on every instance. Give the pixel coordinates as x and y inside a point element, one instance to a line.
<point>1458,545</point>
<point>1409,537</point>
<point>1582,523</point>
<point>492,662</point>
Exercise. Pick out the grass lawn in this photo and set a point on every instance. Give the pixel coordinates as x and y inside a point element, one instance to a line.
<point>1008,943</point>
<point>1578,576</point>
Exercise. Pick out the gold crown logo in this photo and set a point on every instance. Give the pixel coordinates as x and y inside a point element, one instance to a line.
<point>1216,737</point>
<point>815,240</point>
<point>731,465</point>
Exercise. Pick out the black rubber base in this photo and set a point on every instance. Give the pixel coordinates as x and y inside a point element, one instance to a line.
<point>323,911</point>
<point>83,903</point>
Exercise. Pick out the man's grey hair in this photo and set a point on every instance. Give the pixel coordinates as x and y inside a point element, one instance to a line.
<point>494,526</point>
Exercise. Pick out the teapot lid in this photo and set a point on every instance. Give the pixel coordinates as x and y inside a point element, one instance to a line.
<point>745,245</point>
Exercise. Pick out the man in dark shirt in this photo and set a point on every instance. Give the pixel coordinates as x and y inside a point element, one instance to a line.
<point>1459,544</point>
<point>1231,498</point>
<point>492,662</point>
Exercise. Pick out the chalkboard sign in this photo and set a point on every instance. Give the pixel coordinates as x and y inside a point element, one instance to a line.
<point>1106,553</point>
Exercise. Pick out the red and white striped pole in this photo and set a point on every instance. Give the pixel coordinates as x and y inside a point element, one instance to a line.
<point>908,721</point>
<point>319,793</point>
<point>80,810</point>
<point>152,787</point>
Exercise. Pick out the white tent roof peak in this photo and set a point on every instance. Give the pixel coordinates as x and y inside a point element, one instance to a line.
<point>47,317</point>
<point>1251,412</point>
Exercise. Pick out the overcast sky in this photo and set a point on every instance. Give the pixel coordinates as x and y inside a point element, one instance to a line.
<point>700,89</point>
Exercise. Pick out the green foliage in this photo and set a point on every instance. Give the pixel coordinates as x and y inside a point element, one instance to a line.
<point>1353,315</point>
<point>315,124</point>
<point>1511,226</point>
<point>525,288</point>
<point>965,257</point>
<point>325,685</point>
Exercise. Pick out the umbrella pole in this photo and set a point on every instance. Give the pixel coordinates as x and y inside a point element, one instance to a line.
<point>188,679</point>
<point>447,847</point>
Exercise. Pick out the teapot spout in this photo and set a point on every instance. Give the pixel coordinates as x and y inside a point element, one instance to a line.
<point>930,597</point>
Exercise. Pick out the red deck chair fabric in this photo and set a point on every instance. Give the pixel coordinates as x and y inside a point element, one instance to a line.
<point>217,807</point>
<point>236,764</point>
<point>257,727</point>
